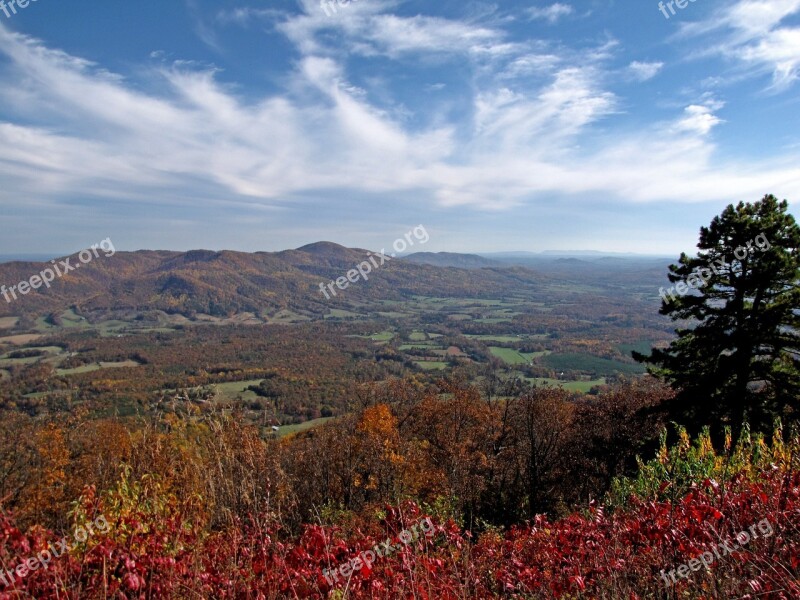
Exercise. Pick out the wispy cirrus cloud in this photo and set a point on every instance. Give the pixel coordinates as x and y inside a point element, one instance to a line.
<point>552,14</point>
<point>90,132</point>
<point>757,35</point>
<point>643,71</point>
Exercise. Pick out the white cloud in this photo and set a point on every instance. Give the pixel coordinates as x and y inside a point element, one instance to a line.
<point>781,51</point>
<point>551,13</point>
<point>643,71</point>
<point>78,131</point>
<point>699,119</point>
<point>750,31</point>
<point>370,33</point>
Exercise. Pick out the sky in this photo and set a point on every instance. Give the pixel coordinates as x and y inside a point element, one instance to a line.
<point>610,125</point>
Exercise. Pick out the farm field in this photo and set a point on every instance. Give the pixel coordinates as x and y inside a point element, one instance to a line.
<point>8,322</point>
<point>431,365</point>
<point>21,339</point>
<point>511,356</point>
<point>589,363</point>
<point>229,391</point>
<point>287,430</point>
<point>98,366</point>
<point>571,386</point>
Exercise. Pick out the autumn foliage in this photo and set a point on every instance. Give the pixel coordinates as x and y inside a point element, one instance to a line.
<point>205,508</point>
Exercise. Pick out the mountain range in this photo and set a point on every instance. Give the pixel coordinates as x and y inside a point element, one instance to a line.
<point>227,282</point>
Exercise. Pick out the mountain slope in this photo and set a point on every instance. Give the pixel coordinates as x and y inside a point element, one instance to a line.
<point>227,282</point>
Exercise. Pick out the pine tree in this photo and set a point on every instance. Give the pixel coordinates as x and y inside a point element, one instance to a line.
<point>737,355</point>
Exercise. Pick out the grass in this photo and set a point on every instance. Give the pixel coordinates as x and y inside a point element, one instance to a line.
<point>8,322</point>
<point>51,354</point>
<point>511,356</point>
<point>97,367</point>
<point>42,325</point>
<point>10,362</point>
<point>19,340</point>
<point>47,349</point>
<point>72,320</point>
<point>570,386</point>
<point>507,337</point>
<point>69,320</point>
<point>383,336</point>
<point>230,390</point>
<point>590,364</point>
<point>410,346</point>
<point>431,365</point>
<point>418,336</point>
<point>112,328</point>
<point>494,338</point>
<point>297,428</point>
<point>583,386</point>
<point>49,393</point>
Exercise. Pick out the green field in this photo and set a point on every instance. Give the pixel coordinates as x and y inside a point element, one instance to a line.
<point>383,336</point>
<point>494,338</point>
<point>51,355</point>
<point>290,429</point>
<point>112,328</point>
<point>431,365</point>
<point>511,356</point>
<point>97,367</point>
<point>10,362</point>
<point>570,386</point>
<point>50,393</point>
<point>590,364</point>
<point>230,390</point>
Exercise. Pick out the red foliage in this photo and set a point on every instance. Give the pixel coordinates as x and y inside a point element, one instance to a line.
<point>594,555</point>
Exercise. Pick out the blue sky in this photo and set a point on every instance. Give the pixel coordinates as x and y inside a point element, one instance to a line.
<point>509,126</point>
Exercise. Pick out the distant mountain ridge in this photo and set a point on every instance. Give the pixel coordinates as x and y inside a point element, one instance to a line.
<point>452,259</point>
<point>224,283</point>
